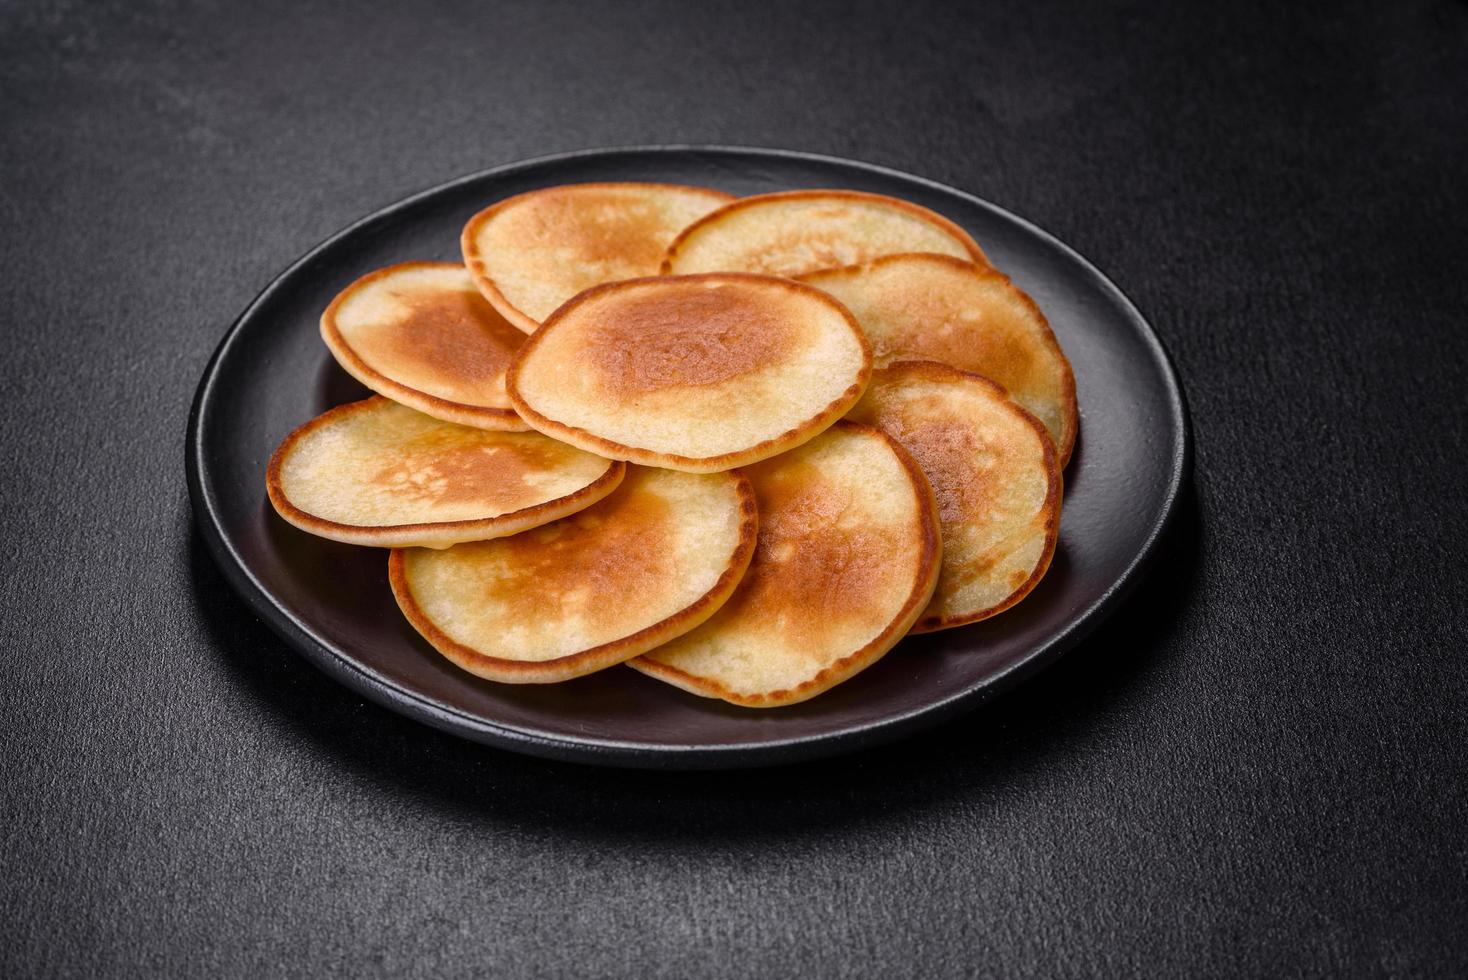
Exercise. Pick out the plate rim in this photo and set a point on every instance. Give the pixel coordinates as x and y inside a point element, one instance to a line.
<point>690,755</point>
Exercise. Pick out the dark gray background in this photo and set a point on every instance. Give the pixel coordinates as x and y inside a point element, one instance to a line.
<point>1257,768</point>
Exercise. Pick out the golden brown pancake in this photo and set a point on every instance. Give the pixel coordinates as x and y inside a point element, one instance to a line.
<point>994,470</point>
<point>847,558</point>
<point>694,373</point>
<point>421,334</point>
<point>377,473</point>
<point>795,232</point>
<point>653,560</point>
<point>938,308</point>
<point>532,252</point>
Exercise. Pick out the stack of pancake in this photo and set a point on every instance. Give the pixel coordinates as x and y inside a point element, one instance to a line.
<point>742,445</point>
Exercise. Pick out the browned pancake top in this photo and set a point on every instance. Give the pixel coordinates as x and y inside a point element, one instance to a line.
<point>951,454</point>
<point>971,338</point>
<point>807,558</point>
<point>456,334</point>
<point>436,468</point>
<point>690,334</point>
<point>807,249</point>
<point>993,472</point>
<point>937,308</point>
<point>580,564</point>
<point>791,233</point>
<point>600,224</point>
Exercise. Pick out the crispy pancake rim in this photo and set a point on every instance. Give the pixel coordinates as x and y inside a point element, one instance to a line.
<point>598,657</point>
<point>477,416</point>
<point>1054,492</point>
<point>591,442</point>
<point>929,565</point>
<point>474,262</point>
<point>1070,411</point>
<point>478,529</point>
<point>932,217</point>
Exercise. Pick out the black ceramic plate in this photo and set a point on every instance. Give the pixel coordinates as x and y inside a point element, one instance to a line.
<point>332,603</point>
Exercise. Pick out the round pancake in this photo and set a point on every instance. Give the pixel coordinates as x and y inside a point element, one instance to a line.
<point>694,373</point>
<point>927,307</point>
<point>795,232</point>
<point>994,470</point>
<point>532,252</point>
<point>653,560</point>
<point>847,558</point>
<point>377,473</point>
<point>421,334</point>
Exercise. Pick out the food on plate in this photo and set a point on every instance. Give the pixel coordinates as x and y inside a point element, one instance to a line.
<point>616,435</point>
<point>995,473</point>
<point>378,473</point>
<point>421,334</point>
<point>695,373</point>
<point>794,232</point>
<point>847,559</point>
<point>654,559</point>
<point>530,253</point>
<point>939,308</point>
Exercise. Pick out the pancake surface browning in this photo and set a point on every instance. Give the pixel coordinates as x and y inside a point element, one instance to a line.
<point>994,470</point>
<point>695,373</point>
<point>652,560</point>
<point>847,559</point>
<point>421,334</point>
<point>938,308</point>
<point>377,473</point>
<point>794,232</point>
<point>530,253</point>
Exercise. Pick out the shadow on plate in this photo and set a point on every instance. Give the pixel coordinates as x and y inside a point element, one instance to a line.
<point>999,749</point>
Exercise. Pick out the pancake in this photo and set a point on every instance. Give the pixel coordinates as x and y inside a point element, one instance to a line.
<point>694,373</point>
<point>653,560</point>
<point>377,473</point>
<point>847,558</point>
<point>421,334</point>
<point>993,468</point>
<point>530,253</point>
<point>795,232</point>
<point>937,308</point>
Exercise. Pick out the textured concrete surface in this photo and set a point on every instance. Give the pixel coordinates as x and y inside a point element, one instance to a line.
<point>1255,769</point>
